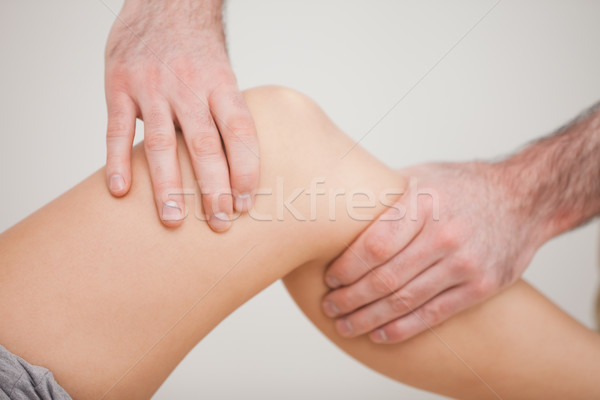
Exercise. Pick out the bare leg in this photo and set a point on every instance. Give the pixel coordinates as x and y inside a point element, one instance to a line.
<point>516,345</point>
<point>89,283</point>
<point>98,291</point>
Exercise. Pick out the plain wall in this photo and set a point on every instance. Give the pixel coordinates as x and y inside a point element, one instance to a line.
<point>465,90</point>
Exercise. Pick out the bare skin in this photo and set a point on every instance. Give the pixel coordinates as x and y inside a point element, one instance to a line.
<point>116,329</point>
<point>478,236</point>
<point>166,63</point>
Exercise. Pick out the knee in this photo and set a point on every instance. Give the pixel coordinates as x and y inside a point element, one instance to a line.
<point>280,98</point>
<point>284,107</point>
<point>289,118</point>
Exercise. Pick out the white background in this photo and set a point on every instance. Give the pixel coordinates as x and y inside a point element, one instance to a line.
<point>521,72</point>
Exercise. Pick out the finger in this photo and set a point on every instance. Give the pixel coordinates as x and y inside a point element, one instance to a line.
<point>414,294</point>
<point>384,280</point>
<point>425,317</point>
<point>160,144</point>
<point>384,238</point>
<point>237,129</point>
<point>120,132</point>
<point>209,163</point>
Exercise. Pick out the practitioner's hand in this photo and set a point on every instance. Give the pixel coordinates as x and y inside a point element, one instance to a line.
<point>456,238</point>
<point>166,63</point>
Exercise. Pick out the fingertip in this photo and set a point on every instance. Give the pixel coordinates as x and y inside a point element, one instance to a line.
<point>117,185</point>
<point>343,271</point>
<point>220,222</point>
<point>378,336</point>
<point>172,223</point>
<point>344,327</point>
<point>332,282</point>
<point>244,179</point>
<point>217,205</point>
<point>330,309</point>
<point>172,213</point>
<point>243,202</point>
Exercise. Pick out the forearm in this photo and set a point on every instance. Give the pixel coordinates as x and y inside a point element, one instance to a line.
<point>207,12</point>
<point>200,19</point>
<point>554,183</point>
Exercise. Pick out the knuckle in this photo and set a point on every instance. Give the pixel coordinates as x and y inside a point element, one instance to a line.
<point>241,125</point>
<point>200,117</point>
<point>224,78</point>
<point>483,288</point>
<point>398,331</point>
<point>117,130</point>
<point>205,146</point>
<point>119,120</point>
<point>184,68</point>
<point>151,74</point>
<point>376,246</point>
<point>461,269</point>
<point>115,158</point>
<point>242,141</point>
<point>346,272</point>
<point>465,266</point>
<point>400,302</point>
<point>160,141</point>
<point>117,70</point>
<point>448,237</point>
<point>244,180</point>
<point>383,281</point>
<point>432,312</point>
<point>156,116</point>
<point>118,77</point>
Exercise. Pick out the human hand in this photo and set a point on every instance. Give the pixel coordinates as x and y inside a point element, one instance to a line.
<point>166,63</point>
<point>454,239</point>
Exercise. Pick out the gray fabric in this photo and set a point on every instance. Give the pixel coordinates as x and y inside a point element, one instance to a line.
<point>20,380</point>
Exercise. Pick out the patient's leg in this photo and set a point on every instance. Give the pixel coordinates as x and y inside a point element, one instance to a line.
<point>97,290</point>
<point>516,345</point>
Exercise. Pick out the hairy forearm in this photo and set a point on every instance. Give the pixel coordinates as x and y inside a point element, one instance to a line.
<point>209,10</point>
<point>205,16</point>
<point>554,183</point>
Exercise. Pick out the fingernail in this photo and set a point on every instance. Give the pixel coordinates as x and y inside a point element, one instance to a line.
<point>171,211</point>
<point>243,202</point>
<point>379,336</point>
<point>344,327</point>
<point>331,310</point>
<point>116,183</point>
<point>220,222</point>
<point>332,282</point>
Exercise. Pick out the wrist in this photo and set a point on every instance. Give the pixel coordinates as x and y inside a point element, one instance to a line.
<point>200,15</point>
<point>523,186</point>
